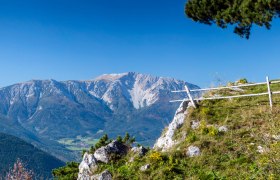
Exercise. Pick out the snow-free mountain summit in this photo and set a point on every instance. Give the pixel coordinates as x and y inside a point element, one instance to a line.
<point>45,112</point>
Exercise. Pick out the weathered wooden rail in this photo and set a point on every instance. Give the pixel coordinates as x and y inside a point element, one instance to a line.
<point>192,99</point>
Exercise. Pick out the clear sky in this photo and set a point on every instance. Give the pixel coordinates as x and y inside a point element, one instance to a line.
<point>81,39</point>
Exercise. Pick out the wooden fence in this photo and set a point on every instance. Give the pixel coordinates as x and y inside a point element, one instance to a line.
<point>192,99</point>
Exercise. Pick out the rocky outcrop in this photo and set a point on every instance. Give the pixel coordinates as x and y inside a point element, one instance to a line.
<point>166,141</point>
<point>140,151</point>
<point>223,129</point>
<point>193,151</point>
<point>106,153</point>
<point>106,175</point>
<point>87,167</point>
<point>262,150</point>
<point>195,124</point>
<point>276,137</point>
<point>145,167</point>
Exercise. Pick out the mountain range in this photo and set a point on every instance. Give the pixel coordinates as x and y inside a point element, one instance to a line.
<point>63,117</point>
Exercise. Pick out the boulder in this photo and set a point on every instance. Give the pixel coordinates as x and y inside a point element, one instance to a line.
<point>87,167</point>
<point>276,137</point>
<point>223,129</point>
<point>145,167</point>
<point>105,175</point>
<point>193,151</point>
<point>140,151</point>
<point>262,150</point>
<point>106,153</point>
<point>195,124</point>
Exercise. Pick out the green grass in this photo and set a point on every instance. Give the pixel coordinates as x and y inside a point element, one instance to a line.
<point>230,155</point>
<point>79,143</point>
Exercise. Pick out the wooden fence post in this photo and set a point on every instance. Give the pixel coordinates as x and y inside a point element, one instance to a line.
<point>190,96</point>
<point>269,92</point>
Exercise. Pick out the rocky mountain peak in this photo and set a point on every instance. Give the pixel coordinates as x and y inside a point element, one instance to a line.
<point>111,77</point>
<point>112,103</point>
<point>140,90</point>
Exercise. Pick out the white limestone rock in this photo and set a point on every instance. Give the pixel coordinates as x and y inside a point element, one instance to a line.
<point>193,151</point>
<point>140,151</point>
<point>106,175</point>
<point>87,167</point>
<point>262,150</point>
<point>145,167</point>
<point>166,141</point>
<point>276,137</point>
<point>195,124</point>
<point>104,153</point>
<point>223,129</point>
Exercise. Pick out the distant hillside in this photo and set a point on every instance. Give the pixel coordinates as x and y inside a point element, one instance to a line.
<point>72,114</point>
<point>12,148</point>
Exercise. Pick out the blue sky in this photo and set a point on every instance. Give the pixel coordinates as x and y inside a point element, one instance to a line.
<point>70,39</point>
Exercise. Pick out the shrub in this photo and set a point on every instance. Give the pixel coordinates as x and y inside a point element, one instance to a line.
<point>68,172</point>
<point>19,172</point>
<point>203,127</point>
<point>204,112</point>
<point>212,130</point>
<point>191,137</point>
<point>124,172</point>
<point>208,129</point>
<point>103,141</point>
<point>242,81</point>
<point>155,157</point>
<point>128,140</point>
<point>119,139</point>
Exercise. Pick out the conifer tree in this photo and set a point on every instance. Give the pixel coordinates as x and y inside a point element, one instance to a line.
<point>242,14</point>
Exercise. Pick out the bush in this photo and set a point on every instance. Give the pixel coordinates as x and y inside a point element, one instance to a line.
<point>124,172</point>
<point>19,172</point>
<point>242,81</point>
<point>212,131</point>
<point>156,157</point>
<point>128,140</point>
<point>68,172</point>
<point>191,137</point>
<point>103,141</point>
<point>208,129</point>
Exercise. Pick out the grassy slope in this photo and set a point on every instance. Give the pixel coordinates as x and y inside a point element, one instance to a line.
<point>230,155</point>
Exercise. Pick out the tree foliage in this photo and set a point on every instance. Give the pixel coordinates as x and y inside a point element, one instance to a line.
<point>68,172</point>
<point>103,141</point>
<point>19,172</point>
<point>127,139</point>
<point>243,14</point>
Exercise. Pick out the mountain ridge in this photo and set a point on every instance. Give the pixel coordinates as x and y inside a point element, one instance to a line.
<point>111,103</point>
<point>13,148</point>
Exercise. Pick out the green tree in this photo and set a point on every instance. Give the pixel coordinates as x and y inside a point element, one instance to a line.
<point>103,141</point>
<point>119,139</point>
<point>19,171</point>
<point>68,172</point>
<point>128,140</point>
<point>243,14</point>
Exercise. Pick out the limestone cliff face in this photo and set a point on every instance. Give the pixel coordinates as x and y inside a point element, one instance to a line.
<point>166,141</point>
<point>113,104</point>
